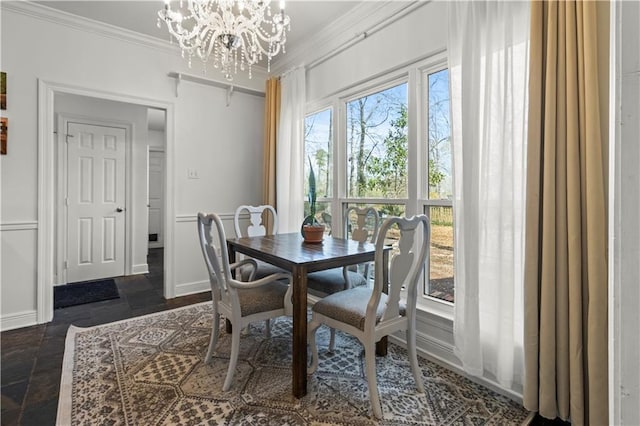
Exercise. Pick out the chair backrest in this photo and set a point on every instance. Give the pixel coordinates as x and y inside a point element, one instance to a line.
<point>258,221</point>
<point>405,266</point>
<point>218,268</point>
<point>362,232</point>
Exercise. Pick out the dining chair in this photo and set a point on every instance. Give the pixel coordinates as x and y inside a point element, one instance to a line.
<point>258,220</point>
<point>369,314</point>
<point>239,302</point>
<point>323,283</point>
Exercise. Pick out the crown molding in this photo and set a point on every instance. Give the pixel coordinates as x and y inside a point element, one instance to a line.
<point>81,23</point>
<point>353,24</point>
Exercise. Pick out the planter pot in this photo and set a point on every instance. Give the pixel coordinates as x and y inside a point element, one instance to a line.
<point>313,233</point>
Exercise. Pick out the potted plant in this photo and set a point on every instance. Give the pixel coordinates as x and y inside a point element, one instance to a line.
<point>312,230</point>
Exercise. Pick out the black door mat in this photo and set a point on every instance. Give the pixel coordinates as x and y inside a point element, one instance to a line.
<point>84,292</point>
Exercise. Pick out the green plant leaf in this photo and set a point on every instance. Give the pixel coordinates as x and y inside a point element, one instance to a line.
<point>312,189</point>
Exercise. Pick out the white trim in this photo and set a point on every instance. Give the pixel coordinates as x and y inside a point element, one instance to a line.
<point>46,188</point>
<point>442,354</point>
<point>383,23</point>
<point>184,218</point>
<point>18,226</point>
<point>614,226</point>
<point>194,287</point>
<point>18,320</point>
<point>88,25</point>
<point>142,268</point>
<point>354,25</point>
<point>56,16</point>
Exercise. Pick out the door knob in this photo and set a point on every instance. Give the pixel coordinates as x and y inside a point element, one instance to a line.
<point>119,210</point>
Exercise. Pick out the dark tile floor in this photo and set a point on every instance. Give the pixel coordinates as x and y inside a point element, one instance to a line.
<point>32,357</point>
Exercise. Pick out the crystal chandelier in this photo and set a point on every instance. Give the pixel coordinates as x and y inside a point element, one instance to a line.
<point>237,33</point>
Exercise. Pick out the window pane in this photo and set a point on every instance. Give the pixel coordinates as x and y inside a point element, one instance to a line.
<point>377,144</point>
<point>441,276</point>
<point>439,136</point>
<point>318,148</point>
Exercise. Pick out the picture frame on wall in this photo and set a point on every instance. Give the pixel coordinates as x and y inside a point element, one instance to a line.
<point>3,90</point>
<point>4,129</point>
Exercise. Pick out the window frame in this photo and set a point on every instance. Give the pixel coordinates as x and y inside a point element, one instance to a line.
<point>432,304</point>
<point>417,200</point>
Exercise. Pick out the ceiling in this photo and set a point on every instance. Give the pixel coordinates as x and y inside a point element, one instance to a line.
<point>308,17</point>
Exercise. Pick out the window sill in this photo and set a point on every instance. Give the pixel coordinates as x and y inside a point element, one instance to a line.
<point>435,307</point>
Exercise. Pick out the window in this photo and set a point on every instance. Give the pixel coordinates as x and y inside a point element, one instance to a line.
<point>318,152</point>
<point>392,152</point>
<point>438,186</point>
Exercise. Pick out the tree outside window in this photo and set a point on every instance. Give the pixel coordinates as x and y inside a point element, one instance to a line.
<point>377,147</point>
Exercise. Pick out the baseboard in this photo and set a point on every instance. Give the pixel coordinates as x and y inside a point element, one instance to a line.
<point>142,268</point>
<point>18,320</point>
<point>442,353</point>
<point>185,289</point>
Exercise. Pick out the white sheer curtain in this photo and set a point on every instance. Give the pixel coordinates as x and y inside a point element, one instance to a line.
<point>289,150</point>
<point>488,61</point>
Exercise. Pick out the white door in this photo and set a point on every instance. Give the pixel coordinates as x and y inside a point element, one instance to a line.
<point>156,199</point>
<point>96,202</point>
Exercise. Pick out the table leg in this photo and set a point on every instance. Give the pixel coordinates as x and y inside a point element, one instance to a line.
<point>299,364</point>
<point>381,345</point>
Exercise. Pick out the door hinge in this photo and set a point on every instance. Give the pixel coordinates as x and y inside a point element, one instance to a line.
<point>66,202</point>
<point>66,264</point>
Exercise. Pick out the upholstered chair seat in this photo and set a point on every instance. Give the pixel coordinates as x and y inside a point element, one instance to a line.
<point>331,281</point>
<point>350,306</point>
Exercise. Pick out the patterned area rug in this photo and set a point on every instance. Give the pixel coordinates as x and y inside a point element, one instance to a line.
<point>149,371</point>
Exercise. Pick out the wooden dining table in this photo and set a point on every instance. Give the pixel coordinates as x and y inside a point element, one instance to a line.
<point>291,253</point>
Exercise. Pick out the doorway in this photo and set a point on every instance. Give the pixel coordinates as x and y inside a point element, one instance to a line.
<point>49,136</point>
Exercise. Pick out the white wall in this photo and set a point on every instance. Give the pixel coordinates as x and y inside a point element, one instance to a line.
<point>136,115</point>
<point>214,139</point>
<point>625,211</point>
<point>410,38</point>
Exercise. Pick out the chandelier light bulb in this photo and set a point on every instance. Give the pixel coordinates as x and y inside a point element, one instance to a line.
<point>233,32</point>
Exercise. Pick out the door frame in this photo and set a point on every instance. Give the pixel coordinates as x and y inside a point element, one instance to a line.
<point>62,210</point>
<point>46,246</point>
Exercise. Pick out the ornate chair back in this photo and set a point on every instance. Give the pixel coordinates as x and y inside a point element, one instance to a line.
<point>259,221</point>
<point>405,266</point>
<point>218,267</point>
<point>362,232</point>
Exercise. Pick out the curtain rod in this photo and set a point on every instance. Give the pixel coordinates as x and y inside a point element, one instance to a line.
<point>370,31</point>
